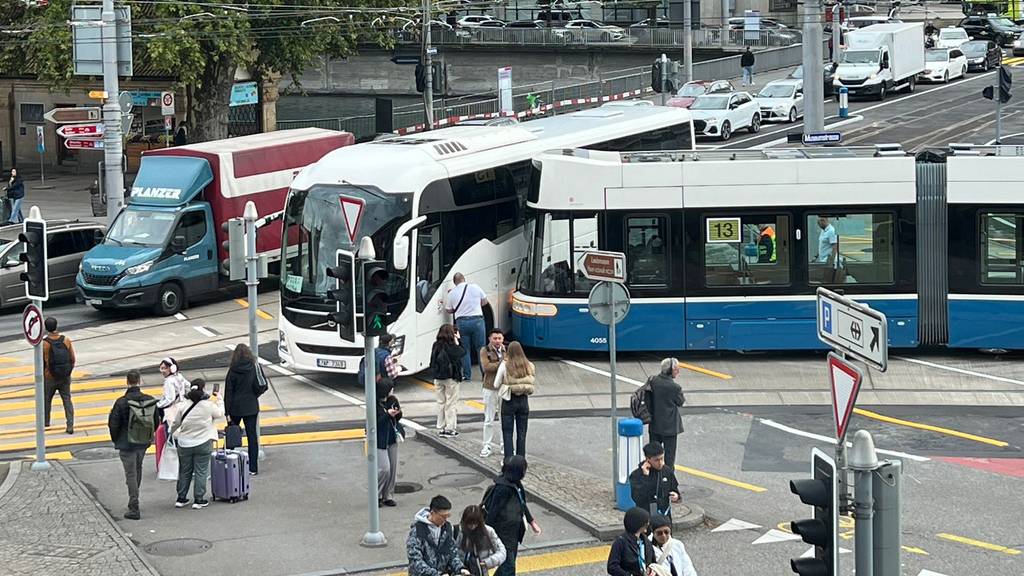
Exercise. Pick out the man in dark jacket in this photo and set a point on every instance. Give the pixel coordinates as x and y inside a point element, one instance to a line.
<point>747,64</point>
<point>15,188</point>
<point>653,485</point>
<point>666,399</point>
<point>132,423</point>
<point>431,543</point>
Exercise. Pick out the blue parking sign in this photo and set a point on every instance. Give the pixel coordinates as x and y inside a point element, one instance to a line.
<point>826,316</point>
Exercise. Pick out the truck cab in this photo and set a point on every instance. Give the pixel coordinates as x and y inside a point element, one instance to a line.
<point>162,247</point>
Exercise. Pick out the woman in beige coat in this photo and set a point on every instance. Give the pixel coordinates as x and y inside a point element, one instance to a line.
<point>515,382</point>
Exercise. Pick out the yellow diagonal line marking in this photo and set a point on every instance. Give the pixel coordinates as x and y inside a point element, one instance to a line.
<point>17,369</point>
<point>8,360</point>
<point>22,380</point>
<point>929,427</point>
<point>722,479</point>
<point>76,398</point>
<point>705,371</point>
<point>475,404</point>
<point>979,544</point>
<point>264,315</point>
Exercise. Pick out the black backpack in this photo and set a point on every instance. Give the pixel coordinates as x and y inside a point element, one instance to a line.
<point>60,358</point>
<point>640,403</point>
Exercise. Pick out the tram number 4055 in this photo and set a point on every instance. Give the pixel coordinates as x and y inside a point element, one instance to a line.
<point>598,340</point>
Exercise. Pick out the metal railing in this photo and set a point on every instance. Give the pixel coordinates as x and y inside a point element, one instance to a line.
<point>638,38</point>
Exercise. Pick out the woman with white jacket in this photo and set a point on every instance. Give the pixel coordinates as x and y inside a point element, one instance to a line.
<point>479,546</point>
<point>669,552</point>
<point>194,433</point>
<point>175,388</point>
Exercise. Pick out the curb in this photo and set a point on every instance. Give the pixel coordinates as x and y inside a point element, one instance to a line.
<point>77,485</point>
<point>12,476</point>
<point>604,533</point>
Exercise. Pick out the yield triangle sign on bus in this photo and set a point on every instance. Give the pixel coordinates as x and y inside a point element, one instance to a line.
<point>352,210</point>
<point>845,379</point>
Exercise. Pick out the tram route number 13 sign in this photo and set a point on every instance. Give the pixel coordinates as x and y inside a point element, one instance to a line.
<point>724,230</point>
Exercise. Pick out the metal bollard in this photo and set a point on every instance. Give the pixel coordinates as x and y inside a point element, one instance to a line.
<point>844,102</point>
<point>887,483</point>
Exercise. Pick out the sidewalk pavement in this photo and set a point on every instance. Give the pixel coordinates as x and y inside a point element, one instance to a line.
<point>51,526</point>
<point>306,513</point>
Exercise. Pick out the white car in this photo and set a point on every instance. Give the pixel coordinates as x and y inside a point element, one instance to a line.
<point>781,100</point>
<point>474,21</point>
<point>720,115</point>
<point>942,65</point>
<point>591,30</point>
<point>951,37</point>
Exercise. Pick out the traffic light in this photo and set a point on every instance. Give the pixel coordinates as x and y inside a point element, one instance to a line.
<point>672,82</point>
<point>822,530</point>
<point>235,247</point>
<point>375,306</point>
<point>657,80</point>
<point>36,275</point>
<point>421,78</point>
<point>1005,82</point>
<point>344,295</point>
<point>437,77</point>
<point>988,92</point>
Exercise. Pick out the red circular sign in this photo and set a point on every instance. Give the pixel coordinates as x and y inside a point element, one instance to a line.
<point>32,324</point>
<point>168,99</point>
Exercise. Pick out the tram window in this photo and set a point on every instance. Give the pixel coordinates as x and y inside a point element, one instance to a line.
<point>429,268</point>
<point>1002,258</point>
<point>584,238</point>
<point>647,251</point>
<point>849,249</point>
<point>562,239</point>
<point>747,250</point>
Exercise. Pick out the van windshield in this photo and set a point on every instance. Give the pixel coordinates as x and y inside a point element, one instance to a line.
<point>134,227</point>
<point>860,57</point>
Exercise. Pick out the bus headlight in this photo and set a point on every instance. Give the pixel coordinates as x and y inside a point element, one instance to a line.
<point>525,308</point>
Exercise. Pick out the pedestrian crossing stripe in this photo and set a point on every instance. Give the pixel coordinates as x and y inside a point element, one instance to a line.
<point>1013,61</point>
<point>735,524</point>
<point>107,397</point>
<point>772,536</point>
<point>31,379</point>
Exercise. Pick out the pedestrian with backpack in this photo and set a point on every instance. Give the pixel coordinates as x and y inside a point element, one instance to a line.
<point>506,509</point>
<point>666,399</point>
<point>58,363</point>
<point>243,387</point>
<point>446,368</point>
<point>133,422</point>
<point>479,545</point>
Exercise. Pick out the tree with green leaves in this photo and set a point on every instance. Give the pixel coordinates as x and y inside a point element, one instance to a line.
<point>203,43</point>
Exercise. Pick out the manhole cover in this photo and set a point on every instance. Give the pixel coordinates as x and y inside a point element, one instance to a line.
<point>102,453</point>
<point>455,480</point>
<point>178,547</point>
<point>407,487</point>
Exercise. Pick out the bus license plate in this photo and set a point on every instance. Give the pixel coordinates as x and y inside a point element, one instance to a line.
<point>328,363</point>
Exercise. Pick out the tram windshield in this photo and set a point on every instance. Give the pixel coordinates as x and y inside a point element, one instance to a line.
<point>315,228</point>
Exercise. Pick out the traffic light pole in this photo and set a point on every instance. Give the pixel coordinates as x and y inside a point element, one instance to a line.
<point>664,78</point>
<point>373,537</point>
<point>40,464</point>
<point>999,113</point>
<point>864,462</point>
<point>688,41</point>
<point>113,153</point>
<point>252,282</point>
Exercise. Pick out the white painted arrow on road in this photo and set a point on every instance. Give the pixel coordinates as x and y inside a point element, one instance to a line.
<point>735,524</point>
<point>772,536</point>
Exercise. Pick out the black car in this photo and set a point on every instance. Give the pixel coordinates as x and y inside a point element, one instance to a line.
<point>982,54</point>
<point>829,73</point>
<point>1000,30</point>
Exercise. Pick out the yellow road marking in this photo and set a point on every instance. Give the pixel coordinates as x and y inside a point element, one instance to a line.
<point>79,398</point>
<point>54,456</point>
<point>722,479</point>
<point>914,550</point>
<point>302,437</point>
<point>83,387</point>
<point>58,414</point>
<point>17,369</point>
<point>22,380</point>
<point>705,371</point>
<point>425,385</point>
<point>979,544</point>
<point>242,302</point>
<point>259,312</point>
<point>554,560</point>
<point>929,427</point>
<point>8,360</point>
<point>475,404</point>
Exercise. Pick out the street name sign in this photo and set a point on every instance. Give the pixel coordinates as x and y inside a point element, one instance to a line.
<point>823,138</point>
<point>845,379</point>
<point>73,115</point>
<point>854,328</point>
<point>76,131</point>
<point>604,266</point>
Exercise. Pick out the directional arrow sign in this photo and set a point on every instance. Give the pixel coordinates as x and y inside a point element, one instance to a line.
<point>854,328</point>
<point>86,144</point>
<point>73,115</point>
<point>845,379</point>
<point>81,131</point>
<point>604,266</point>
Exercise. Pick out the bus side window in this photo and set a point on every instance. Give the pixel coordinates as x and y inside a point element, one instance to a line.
<point>429,269</point>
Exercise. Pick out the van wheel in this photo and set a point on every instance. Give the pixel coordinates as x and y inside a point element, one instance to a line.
<point>169,300</point>
<point>881,93</point>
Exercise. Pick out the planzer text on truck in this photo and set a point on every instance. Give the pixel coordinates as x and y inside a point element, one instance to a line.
<point>168,244</point>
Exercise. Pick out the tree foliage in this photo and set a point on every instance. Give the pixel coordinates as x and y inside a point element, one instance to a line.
<point>203,43</point>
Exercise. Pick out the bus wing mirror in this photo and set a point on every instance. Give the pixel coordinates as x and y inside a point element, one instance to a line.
<point>400,247</point>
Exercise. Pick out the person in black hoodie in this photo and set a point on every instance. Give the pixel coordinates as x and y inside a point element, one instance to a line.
<point>242,390</point>
<point>505,505</point>
<point>132,439</point>
<point>446,366</point>
<point>389,430</point>
<point>631,553</point>
<point>15,188</point>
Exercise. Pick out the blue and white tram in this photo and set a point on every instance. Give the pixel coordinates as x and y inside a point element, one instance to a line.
<point>725,250</point>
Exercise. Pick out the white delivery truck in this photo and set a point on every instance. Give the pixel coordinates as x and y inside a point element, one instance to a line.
<point>880,59</point>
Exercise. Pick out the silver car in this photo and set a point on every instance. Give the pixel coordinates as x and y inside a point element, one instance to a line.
<point>67,241</point>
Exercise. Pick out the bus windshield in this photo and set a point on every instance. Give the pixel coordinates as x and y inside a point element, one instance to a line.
<point>315,228</point>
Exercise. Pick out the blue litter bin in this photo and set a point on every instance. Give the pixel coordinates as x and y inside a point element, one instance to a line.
<point>631,436</point>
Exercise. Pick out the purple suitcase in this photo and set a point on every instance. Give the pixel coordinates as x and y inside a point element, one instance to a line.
<point>229,474</point>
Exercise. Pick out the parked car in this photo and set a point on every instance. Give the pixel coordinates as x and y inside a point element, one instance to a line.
<point>592,30</point>
<point>534,24</point>
<point>1000,30</point>
<point>942,65</point>
<point>951,37</point>
<point>474,20</point>
<point>67,241</point>
<point>557,19</point>
<point>827,77</point>
<point>982,54</point>
<point>781,100</point>
<point>659,22</point>
<point>720,115</point>
<point>691,90</point>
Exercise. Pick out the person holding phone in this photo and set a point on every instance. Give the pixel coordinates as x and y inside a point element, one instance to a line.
<point>242,390</point>
<point>195,431</point>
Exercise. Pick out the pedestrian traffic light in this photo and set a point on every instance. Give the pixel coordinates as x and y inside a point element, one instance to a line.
<point>375,306</point>
<point>437,77</point>
<point>36,275</point>
<point>988,92</point>
<point>657,77</point>
<point>1005,82</point>
<point>822,530</point>
<point>344,295</point>
<point>235,248</point>
<point>672,82</point>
